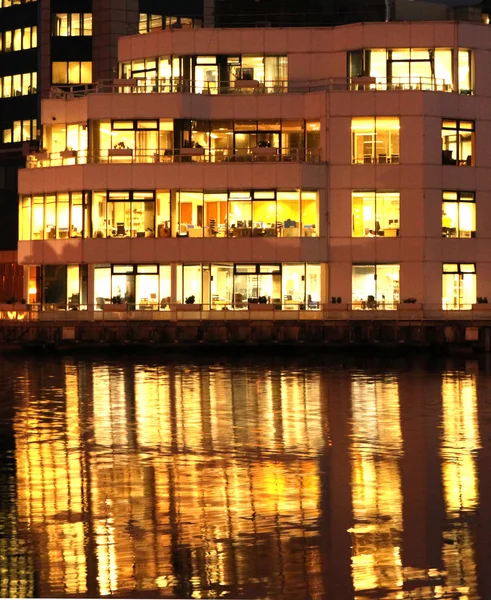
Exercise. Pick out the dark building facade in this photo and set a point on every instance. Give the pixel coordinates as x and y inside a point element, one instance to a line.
<point>295,13</point>
<point>49,42</point>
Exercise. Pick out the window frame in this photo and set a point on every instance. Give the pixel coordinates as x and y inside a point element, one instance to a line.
<point>447,158</point>
<point>460,198</point>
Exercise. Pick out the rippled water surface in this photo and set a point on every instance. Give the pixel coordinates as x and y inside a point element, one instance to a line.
<point>253,478</point>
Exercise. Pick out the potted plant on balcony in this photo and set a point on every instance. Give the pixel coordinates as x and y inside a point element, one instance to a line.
<point>117,304</point>
<point>12,304</point>
<point>409,304</point>
<point>120,149</point>
<point>190,304</point>
<point>260,304</point>
<point>264,148</point>
<point>68,153</point>
<point>482,304</point>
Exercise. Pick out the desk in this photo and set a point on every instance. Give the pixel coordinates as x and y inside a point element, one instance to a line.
<point>240,232</point>
<point>195,232</point>
<point>291,231</point>
<point>391,232</point>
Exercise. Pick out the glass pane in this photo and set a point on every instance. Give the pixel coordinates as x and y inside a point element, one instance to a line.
<point>99,214</point>
<point>239,218</point>
<point>363,139</point>
<point>288,213</point>
<point>443,69</point>
<point>146,291</point>
<point>450,219</point>
<point>465,78</point>
<point>293,282</point>
<point>165,286</point>
<point>191,214</point>
<point>215,215</point>
<point>192,284</point>
<point>363,286</point>
<point>38,218</point>
<point>162,214</point>
<point>221,286</point>
<point>63,215</point>
<point>387,286</point>
<point>467,219</point>
<point>310,214</point>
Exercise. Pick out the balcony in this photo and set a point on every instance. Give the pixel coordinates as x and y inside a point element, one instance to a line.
<point>168,155</point>
<point>172,85</point>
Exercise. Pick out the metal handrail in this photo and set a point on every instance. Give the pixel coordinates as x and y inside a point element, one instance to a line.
<point>395,312</point>
<point>168,155</point>
<point>161,85</point>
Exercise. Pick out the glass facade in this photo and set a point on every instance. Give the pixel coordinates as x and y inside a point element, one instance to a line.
<point>208,74</point>
<point>376,214</point>
<point>459,286</point>
<point>375,140</point>
<point>459,215</point>
<point>458,143</point>
<point>220,286</point>
<point>169,213</point>
<point>412,68</point>
<point>375,286</point>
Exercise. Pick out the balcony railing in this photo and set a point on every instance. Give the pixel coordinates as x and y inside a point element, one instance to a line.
<point>179,155</point>
<point>238,311</point>
<point>173,85</point>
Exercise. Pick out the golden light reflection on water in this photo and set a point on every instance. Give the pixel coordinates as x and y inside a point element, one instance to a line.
<point>460,441</point>
<point>376,487</point>
<point>187,482</point>
<point>201,482</point>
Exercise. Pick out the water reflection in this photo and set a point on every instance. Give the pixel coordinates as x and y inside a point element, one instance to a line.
<point>187,481</point>
<point>208,481</point>
<point>376,449</point>
<point>460,441</point>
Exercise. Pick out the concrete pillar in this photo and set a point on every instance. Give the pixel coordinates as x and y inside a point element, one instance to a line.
<point>90,287</point>
<point>111,20</point>
<point>208,13</point>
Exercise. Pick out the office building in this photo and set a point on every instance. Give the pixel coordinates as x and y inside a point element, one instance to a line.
<point>44,42</point>
<point>288,167</point>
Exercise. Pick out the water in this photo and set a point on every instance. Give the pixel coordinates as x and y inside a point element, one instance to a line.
<point>255,478</point>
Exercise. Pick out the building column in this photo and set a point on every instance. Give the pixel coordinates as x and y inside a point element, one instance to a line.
<point>90,287</point>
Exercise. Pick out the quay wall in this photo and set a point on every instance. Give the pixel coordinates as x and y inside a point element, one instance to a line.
<point>72,335</point>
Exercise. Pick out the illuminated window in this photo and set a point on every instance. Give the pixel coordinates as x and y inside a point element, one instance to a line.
<point>21,84</point>
<point>71,72</point>
<point>140,286</point>
<point>375,286</point>
<point>376,214</point>
<point>271,72</point>
<point>182,23</point>
<point>8,3</point>
<point>459,215</point>
<point>123,214</point>
<point>54,216</point>
<point>459,286</point>
<point>458,143</point>
<point>19,39</point>
<point>375,140</point>
<point>72,24</point>
<point>466,84</point>
<point>149,22</point>
<point>403,68</point>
